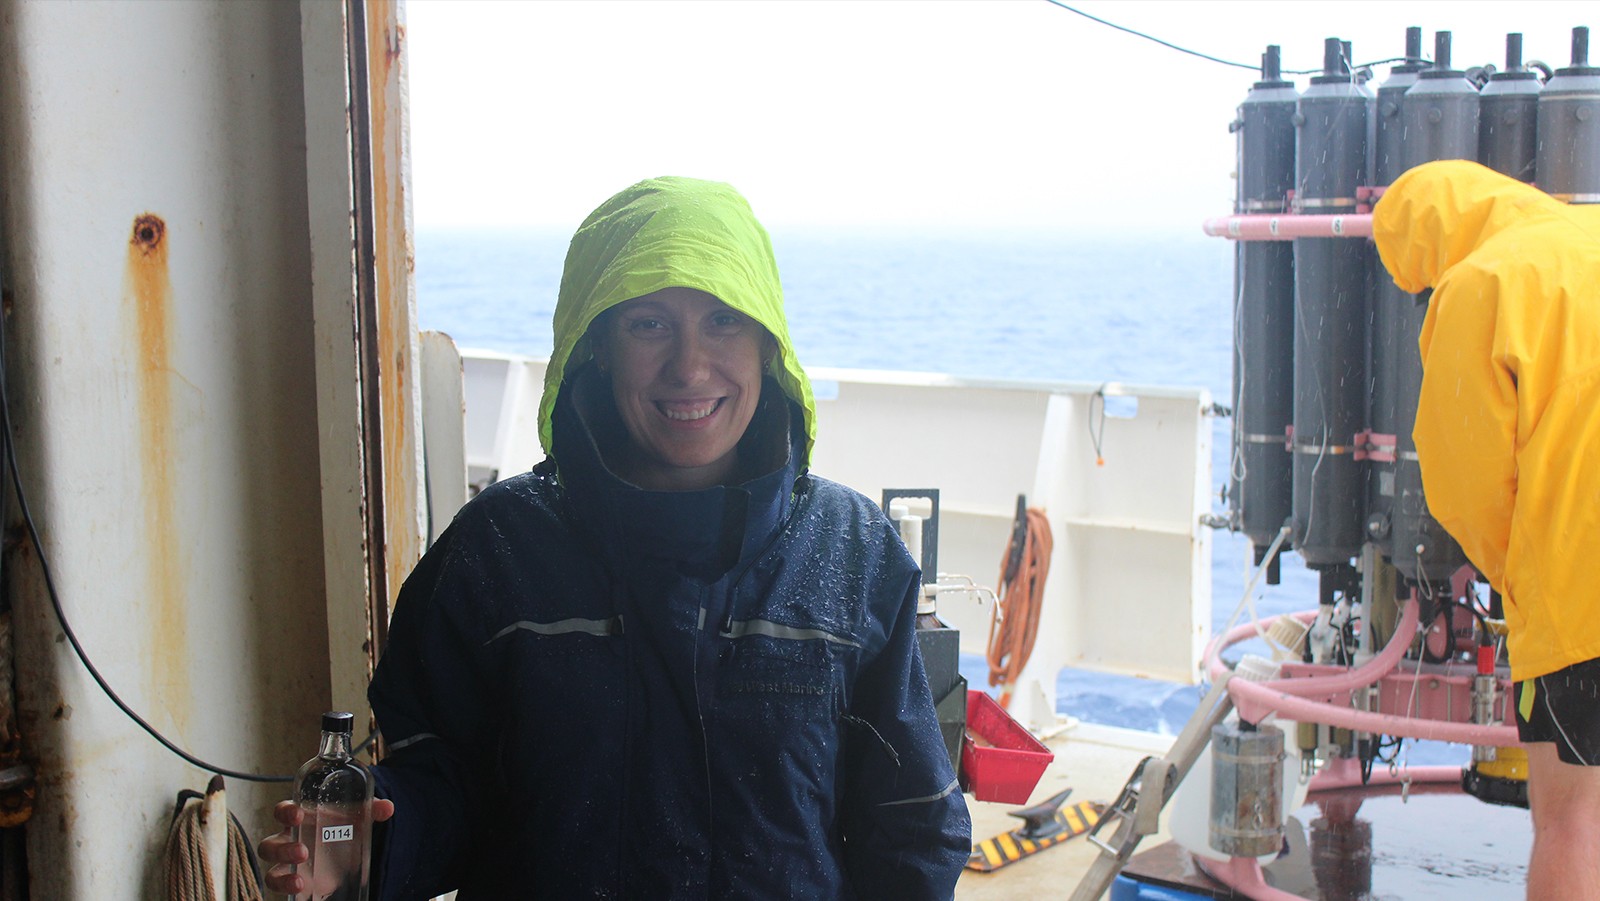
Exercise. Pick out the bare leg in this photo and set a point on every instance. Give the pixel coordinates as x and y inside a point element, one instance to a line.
<point>1565,801</point>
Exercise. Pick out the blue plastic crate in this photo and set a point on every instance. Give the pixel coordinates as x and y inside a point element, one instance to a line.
<point>1126,889</point>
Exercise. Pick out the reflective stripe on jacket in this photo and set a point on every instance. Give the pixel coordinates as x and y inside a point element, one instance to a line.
<point>592,690</point>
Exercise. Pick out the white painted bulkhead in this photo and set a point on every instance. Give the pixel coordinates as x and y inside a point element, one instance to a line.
<point>183,294</point>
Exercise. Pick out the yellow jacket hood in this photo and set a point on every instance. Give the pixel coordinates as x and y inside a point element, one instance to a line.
<point>1437,213</point>
<point>670,232</point>
<point>1506,429</point>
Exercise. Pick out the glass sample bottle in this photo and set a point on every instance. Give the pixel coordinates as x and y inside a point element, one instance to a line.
<point>334,791</point>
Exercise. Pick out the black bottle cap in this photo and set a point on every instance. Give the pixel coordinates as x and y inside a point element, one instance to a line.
<point>1271,65</point>
<point>1413,59</point>
<point>338,721</point>
<point>1272,70</point>
<point>1335,63</point>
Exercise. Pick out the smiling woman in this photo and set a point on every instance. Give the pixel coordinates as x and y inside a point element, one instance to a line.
<point>685,372</point>
<point>669,662</point>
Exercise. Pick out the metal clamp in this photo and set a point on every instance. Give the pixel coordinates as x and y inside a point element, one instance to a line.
<point>1139,804</point>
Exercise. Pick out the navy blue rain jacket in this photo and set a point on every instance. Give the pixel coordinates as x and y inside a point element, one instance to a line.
<point>592,690</point>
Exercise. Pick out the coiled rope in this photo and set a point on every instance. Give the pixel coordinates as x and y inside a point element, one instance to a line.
<point>1014,625</point>
<point>187,868</point>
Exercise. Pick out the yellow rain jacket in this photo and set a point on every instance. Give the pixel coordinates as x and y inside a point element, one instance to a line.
<point>671,232</point>
<point>1508,421</point>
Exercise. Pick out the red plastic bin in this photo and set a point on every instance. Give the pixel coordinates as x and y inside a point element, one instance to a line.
<point>1004,761</point>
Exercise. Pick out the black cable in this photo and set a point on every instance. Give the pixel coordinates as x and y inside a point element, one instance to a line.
<point>1348,638</point>
<point>1394,745</point>
<point>1392,59</point>
<point>1140,34</point>
<point>61,616</point>
<point>1206,56</point>
<point>1097,436</point>
<point>1444,613</point>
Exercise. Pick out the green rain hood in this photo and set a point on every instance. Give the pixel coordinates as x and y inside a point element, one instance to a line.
<point>671,232</point>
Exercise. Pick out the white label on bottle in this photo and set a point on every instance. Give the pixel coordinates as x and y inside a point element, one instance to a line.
<point>338,833</point>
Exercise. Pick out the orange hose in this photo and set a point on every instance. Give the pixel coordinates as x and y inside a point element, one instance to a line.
<point>1015,622</point>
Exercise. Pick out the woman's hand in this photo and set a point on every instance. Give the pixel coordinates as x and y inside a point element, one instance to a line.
<point>281,853</point>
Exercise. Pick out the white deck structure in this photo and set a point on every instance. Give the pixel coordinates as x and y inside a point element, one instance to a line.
<point>1129,589</point>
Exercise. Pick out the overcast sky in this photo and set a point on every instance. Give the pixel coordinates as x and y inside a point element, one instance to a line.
<point>946,114</point>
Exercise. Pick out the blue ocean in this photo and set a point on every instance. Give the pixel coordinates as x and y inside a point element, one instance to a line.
<point>1109,308</point>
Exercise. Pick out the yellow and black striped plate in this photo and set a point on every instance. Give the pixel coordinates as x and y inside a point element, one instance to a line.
<point>993,853</point>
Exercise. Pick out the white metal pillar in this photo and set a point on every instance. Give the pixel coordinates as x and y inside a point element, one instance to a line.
<point>178,252</point>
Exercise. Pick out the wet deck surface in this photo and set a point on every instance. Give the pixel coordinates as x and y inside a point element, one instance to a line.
<point>1434,846</point>
<point>1441,845</point>
<point>1094,762</point>
<point>1434,843</point>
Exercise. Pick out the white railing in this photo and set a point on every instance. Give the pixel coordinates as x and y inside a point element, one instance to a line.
<point>1123,473</point>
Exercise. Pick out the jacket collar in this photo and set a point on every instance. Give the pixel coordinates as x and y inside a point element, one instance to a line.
<point>704,533</point>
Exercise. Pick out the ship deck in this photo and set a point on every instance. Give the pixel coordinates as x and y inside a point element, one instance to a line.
<point>1092,760</point>
<point>1354,844</point>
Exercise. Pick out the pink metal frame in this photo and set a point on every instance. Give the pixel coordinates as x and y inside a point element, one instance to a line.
<point>1287,226</point>
<point>1410,704</point>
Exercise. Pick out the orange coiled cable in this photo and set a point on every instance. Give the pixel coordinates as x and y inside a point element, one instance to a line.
<point>1015,622</point>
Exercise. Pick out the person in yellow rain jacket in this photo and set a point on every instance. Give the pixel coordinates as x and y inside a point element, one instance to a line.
<point>1508,439</point>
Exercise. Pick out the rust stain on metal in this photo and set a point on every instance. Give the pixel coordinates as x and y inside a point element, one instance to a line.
<point>16,805</point>
<point>393,46</point>
<point>149,231</point>
<point>385,44</point>
<point>149,293</point>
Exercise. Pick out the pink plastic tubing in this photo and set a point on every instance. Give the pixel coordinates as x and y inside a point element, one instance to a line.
<point>1256,701</point>
<point>1243,875</point>
<point>1212,658</point>
<point>1289,697</point>
<point>1321,686</point>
